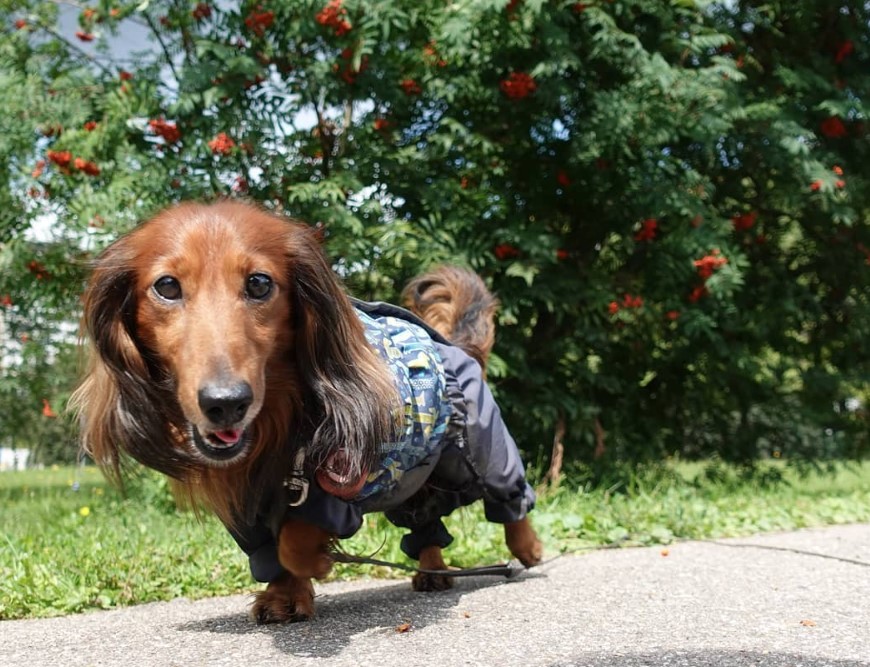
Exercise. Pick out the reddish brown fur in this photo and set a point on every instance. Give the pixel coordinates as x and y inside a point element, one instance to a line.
<point>254,347</point>
<point>456,303</point>
<point>170,352</point>
<point>301,347</point>
<point>287,599</point>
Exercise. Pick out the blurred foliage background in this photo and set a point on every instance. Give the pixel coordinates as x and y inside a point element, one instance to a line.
<point>670,199</point>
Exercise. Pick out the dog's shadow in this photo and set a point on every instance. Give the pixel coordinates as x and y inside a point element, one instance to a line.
<point>342,616</point>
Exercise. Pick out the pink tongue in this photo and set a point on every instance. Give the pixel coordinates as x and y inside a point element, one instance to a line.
<point>230,436</point>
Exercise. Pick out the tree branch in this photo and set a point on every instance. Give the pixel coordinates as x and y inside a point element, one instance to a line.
<point>75,47</point>
<point>156,31</point>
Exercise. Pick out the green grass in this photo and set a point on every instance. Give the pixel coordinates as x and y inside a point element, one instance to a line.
<point>67,547</point>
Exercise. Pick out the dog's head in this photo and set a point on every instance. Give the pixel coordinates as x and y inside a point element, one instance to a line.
<point>221,330</point>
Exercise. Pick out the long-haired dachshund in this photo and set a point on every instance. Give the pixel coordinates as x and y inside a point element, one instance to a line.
<point>228,357</point>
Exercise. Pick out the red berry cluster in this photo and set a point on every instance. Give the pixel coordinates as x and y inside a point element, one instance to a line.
<point>432,57</point>
<point>628,301</point>
<point>844,51</point>
<point>518,85</point>
<point>46,409</point>
<point>744,221</point>
<point>64,160</point>
<point>505,251</point>
<point>258,21</point>
<point>833,128</point>
<point>648,230</point>
<point>37,269</point>
<point>61,158</point>
<point>706,266</point>
<point>222,144</point>
<point>816,185</point>
<point>162,128</point>
<point>201,12</point>
<point>334,16</point>
<point>86,167</point>
<point>347,73</point>
<point>709,263</point>
<point>410,87</point>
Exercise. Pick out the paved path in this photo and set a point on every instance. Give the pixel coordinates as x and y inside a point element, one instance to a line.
<point>792,600</point>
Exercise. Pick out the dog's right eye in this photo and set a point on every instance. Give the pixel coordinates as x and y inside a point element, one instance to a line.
<point>258,286</point>
<point>168,287</point>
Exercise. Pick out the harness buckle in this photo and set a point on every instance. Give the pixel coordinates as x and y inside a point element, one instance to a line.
<point>298,485</point>
<point>296,482</point>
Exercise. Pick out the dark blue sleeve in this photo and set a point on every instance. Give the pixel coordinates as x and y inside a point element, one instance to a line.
<point>507,496</point>
<point>320,509</point>
<point>334,515</point>
<point>259,544</point>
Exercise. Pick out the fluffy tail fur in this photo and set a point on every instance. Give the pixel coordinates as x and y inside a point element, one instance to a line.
<point>456,303</point>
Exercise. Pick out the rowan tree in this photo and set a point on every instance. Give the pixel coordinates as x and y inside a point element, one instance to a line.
<point>669,199</point>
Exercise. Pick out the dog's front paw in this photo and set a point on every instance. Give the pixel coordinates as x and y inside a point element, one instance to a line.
<point>288,599</point>
<point>425,582</point>
<point>428,583</point>
<point>523,543</point>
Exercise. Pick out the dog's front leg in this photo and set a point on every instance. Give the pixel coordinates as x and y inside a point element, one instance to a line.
<point>305,550</point>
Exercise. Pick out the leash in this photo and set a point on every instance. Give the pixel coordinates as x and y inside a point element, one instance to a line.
<point>513,568</point>
<point>508,570</point>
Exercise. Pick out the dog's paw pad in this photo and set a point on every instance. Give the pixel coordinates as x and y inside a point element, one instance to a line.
<point>427,583</point>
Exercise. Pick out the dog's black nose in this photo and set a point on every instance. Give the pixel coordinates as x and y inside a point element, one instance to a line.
<point>225,405</point>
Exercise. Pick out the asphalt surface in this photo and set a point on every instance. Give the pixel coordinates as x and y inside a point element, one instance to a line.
<point>793,600</point>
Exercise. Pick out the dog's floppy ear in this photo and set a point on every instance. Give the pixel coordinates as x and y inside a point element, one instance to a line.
<point>116,400</point>
<point>356,397</point>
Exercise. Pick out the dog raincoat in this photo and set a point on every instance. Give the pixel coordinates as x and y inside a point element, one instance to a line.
<point>454,449</point>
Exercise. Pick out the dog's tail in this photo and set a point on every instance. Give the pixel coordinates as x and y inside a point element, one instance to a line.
<point>456,303</point>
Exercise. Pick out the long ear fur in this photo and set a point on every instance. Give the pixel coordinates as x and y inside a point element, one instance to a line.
<point>124,404</point>
<point>356,401</point>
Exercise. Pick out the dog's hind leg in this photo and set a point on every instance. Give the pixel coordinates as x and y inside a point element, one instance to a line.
<point>286,599</point>
<point>431,558</point>
<point>425,541</point>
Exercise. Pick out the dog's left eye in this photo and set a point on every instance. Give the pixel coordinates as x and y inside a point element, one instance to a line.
<point>168,287</point>
<point>258,286</point>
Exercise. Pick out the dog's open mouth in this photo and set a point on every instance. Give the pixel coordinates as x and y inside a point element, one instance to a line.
<point>224,445</point>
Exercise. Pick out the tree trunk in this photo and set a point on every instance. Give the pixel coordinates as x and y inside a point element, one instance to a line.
<point>599,440</point>
<point>554,474</point>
